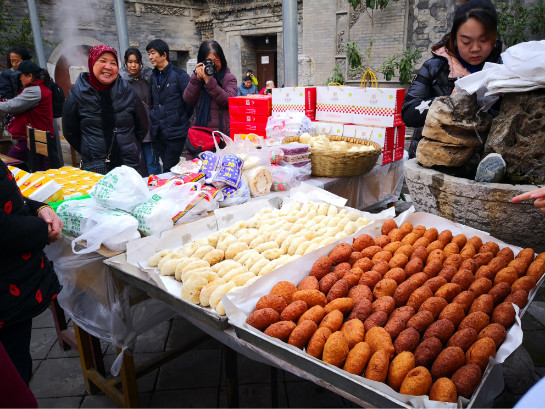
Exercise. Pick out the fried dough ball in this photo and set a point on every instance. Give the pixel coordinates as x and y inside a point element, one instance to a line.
<point>308,283</point>
<point>464,278</point>
<point>436,254</point>
<point>285,289</point>
<point>497,263</point>
<point>280,330</point>
<point>466,379</point>
<point>418,278</point>
<point>364,263</point>
<point>370,251</point>
<point>434,245</point>
<point>385,303</point>
<point>327,281</point>
<point>370,278</point>
<point>399,260</point>
<point>460,240</point>
<point>537,268</point>
<point>382,240</point>
<point>420,230</point>
<point>421,241</point>
<point>410,238</point>
<point>396,235</point>
<point>451,249</point>
<point>381,267</point>
<point>405,249</point>
<point>480,286</point>
<point>405,312</point>
<point>480,351</point>
<point>418,296</point>
<point>507,254</point>
<point>447,362</point>
<point>395,325</point>
<point>445,237</point>
<point>343,304</point>
<point>353,276</point>
<point>403,292</point>
<point>276,302</point>
<point>526,254</point>
<point>388,226</point>
<point>441,329</point>
<point>362,241</point>
<point>360,292</point>
<point>476,242</point>
<point>431,234</point>
<point>376,319</point>
<point>361,310</point>
<point>484,303</point>
<point>407,340</point>
<point>434,305</point>
<point>377,368</point>
<point>519,297</point>
<point>406,228</point>
<point>353,331</point>
<point>340,253</point>
<point>433,267</point>
<point>469,264</point>
<point>465,299</point>
<point>448,291</point>
<point>463,338</point>
<point>417,382</point>
<point>419,252</point>
<point>427,351</point>
<point>491,247</point>
<point>504,314</point>
<point>382,256</point>
<point>311,297</point>
<point>520,265</point>
<point>263,318</point>
<point>338,290</point>
<point>508,275</point>
<point>435,283</point>
<point>454,260</point>
<point>333,320</point>
<point>444,390</point>
<point>499,292</point>
<point>485,272</point>
<point>447,272</point>
<point>496,332</point>
<point>468,251</point>
<point>315,314</point>
<point>421,321</point>
<point>415,265</point>
<point>454,313</point>
<point>476,320</point>
<point>379,339</point>
<point>357,358</point>
<point>321,267</point>
<point>393,246</point>
<point>335,349</point>
<point>316,344</point>
<point>354,256</point>
<point>483,258</point>
<point>341,269</point>
<point>302,333</point>
<point>397,274</point>
<point>400,366</point>
<point>294,311</point>
<point>384,287</point>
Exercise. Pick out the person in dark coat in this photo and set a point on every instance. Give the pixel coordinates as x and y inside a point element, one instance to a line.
<point>33,107</point>
<point>103,118</point>
<point>170,114</point>
<point>210,93</point>
<point>10,86</point>
<point>471,42</point>
<point>27,278</point>
<point>139,77</point>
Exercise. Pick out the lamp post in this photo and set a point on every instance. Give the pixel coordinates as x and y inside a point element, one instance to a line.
<point>289,23</point>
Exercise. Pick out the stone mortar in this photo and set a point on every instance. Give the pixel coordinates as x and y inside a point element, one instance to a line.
<point>484,206</point>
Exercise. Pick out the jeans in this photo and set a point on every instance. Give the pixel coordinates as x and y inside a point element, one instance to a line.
<point>170,151</point>
<point>151,155</point>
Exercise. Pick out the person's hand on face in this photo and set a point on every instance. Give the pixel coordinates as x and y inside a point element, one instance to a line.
<point>106,68</point>
<point>54,224</point>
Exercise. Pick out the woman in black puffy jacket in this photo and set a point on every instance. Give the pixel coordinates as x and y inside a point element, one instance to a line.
<point>471,42</point>
<point>103,118</point>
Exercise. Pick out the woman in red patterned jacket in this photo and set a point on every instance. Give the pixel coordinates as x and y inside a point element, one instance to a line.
<point>33,107</point>
<point>27,280</point>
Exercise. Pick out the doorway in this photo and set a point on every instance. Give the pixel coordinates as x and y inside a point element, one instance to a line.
<point>266,67</point>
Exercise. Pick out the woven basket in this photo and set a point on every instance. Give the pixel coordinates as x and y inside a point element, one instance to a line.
<point>335,164</point>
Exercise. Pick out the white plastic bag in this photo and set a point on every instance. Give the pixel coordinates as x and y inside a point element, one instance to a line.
<point>96,226</point>
<point>122,188</point>
<point>286,124</point>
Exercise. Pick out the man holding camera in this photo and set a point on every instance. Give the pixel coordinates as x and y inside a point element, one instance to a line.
<point>247,87</point>
<point>169,115</point>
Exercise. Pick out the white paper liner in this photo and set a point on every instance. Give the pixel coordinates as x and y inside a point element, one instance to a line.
<point>241,303</point>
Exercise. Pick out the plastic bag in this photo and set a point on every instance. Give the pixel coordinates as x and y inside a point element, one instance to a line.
<point>122,188</point>
<point>96,226</point>
<point>286,124</point>
<point>234,196</point>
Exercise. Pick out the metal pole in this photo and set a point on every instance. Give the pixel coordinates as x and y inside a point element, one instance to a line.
<point>36,33</point>
<point>121,25</point>
<point>289,22</point>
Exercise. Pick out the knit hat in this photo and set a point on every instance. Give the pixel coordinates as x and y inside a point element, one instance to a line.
<point>94,54</point>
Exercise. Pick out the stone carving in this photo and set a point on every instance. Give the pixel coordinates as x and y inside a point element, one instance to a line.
<point>355,14</point>
<point>518,134</point>
<point>340,42</point>
<point>166,10</point>
<point>449,133</point>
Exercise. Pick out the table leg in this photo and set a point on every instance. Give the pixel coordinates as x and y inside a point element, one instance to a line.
<point>128,381</point>
<point>231,372</point>
<point>66,338</point>
<point>86,358</point>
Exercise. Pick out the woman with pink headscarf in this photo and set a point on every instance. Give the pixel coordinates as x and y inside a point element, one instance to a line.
<point>103,118</point>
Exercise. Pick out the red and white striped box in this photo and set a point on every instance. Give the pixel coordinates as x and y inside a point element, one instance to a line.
<point>378,106</point>
<point>334,104</point>
<point>298,99</point>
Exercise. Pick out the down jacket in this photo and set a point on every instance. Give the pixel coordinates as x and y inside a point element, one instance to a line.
<point>27,280</point>
<point>82,124</point>
<point>219,99</point>
<point>436,78</point>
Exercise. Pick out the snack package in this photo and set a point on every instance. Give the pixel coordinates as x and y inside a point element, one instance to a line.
<point>228,173</point>
<point>235,196</point>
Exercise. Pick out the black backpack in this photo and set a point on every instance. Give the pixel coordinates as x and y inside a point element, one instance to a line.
<point>58,99</point>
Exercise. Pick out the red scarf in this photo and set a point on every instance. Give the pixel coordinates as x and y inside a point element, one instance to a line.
<point>94,54</point>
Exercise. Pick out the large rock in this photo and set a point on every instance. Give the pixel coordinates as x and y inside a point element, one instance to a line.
<point>518,135</point>
<point>453,131</point>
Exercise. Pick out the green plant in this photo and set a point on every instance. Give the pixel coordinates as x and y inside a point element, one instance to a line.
<point>353,54</point>
<point>337,77</point>
<point>516,22</point>
<point>15,31</point>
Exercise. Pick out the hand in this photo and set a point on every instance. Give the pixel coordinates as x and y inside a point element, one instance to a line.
<point>199,70</point>
<point>54,224</point>
<point>538,194</point>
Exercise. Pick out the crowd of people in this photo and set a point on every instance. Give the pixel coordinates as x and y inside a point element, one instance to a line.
<point>140,117</point>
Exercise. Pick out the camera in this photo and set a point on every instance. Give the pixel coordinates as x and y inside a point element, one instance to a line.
<point>210,67</point>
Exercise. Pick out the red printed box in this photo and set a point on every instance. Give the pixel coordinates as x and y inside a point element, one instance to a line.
<point>246,128</point>
<point>251,104</point>
<point>249,118</point>
<point>399,142</point>
<point>298,99</point>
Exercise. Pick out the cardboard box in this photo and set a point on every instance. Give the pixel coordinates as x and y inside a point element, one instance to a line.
<point>377,106</point>
<point>247,128</point>
<point>251,104</point>
<point>399,142</point>
<point>249,118</point>
<point>329,128</point>
<point>334,104</point>
<point>298,99</point>
<point>384,136</point>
